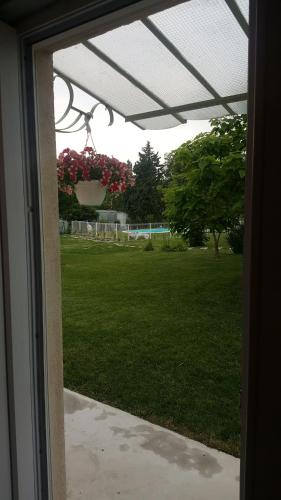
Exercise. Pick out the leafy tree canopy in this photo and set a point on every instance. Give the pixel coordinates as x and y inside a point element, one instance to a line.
<point>207,177</point>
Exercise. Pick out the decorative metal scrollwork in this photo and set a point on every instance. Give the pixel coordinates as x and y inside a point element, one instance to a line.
<point>82,116</point>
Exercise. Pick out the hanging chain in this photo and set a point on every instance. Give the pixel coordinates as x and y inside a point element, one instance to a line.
<point>88,117</point>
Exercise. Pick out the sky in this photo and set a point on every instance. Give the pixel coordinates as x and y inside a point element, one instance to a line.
<point>121,140</point>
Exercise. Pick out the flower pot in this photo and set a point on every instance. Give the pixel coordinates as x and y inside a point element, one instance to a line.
<point>90,192</point>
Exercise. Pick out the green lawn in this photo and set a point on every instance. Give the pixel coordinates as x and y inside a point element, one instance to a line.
<point>156,334</point>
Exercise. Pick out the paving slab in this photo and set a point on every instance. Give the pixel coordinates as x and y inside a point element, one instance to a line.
<point>111,454</point>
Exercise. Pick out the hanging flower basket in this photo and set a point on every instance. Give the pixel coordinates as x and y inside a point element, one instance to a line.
<point>90,192</point>
<point>90,175</point>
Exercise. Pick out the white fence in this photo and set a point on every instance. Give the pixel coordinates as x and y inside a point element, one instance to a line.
<point>64,226</point>
<point>103,230</point>
<point>148,230</point>
<point>116,231</point>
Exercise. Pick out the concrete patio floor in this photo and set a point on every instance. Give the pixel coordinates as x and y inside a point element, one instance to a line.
<point>111,454</point>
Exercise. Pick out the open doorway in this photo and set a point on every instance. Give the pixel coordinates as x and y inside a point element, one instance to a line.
<point>28,209</point>
<point>154,334</point>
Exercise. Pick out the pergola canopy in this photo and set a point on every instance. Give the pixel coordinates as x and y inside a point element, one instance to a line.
<point>187,62</point>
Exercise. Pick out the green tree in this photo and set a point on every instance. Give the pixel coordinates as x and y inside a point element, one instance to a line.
<point>70,209</point>
<point>144,201</point>
<point>206,190</point>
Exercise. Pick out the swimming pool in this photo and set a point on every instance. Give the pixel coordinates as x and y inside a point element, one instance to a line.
<point>153,230</point>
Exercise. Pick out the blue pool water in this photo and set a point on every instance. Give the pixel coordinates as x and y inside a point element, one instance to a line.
<point>152,230</point>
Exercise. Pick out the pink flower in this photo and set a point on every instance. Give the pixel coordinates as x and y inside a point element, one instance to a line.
<point>72,167</point>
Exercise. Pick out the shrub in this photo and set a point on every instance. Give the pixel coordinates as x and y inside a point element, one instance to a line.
<point>235,239</point>
<point>175,246</point>
<point>166,247</point>
<point>179,246</point>
<point>197,238</point>
<point>148,246</point>
<point>84,212</point>
<point>69,209</point>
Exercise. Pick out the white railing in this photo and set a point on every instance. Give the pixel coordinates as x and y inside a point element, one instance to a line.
<point>147,230</point>
<point>64,226</point>
<point>116,231</point>
<point>99,230</point>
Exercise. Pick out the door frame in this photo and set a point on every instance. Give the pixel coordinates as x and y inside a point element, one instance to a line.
<point>261,383</point>
<point>20,328</point>
<point>5,435</point>
<point>260,340</point>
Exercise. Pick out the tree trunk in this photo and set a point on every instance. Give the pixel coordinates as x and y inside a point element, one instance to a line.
<point>216,237</point>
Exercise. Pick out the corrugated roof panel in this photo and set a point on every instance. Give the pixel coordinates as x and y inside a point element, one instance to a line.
<point>204,113</point>
<point>244,8</point>
<point>209,37</point>
<point>79,64</point>
<point>186,54</point>
<point>239,107</point>
<point>158,122</point>
<point>136,49</point>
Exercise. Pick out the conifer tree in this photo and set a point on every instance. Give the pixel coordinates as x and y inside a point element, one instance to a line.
<point>143,201</point>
